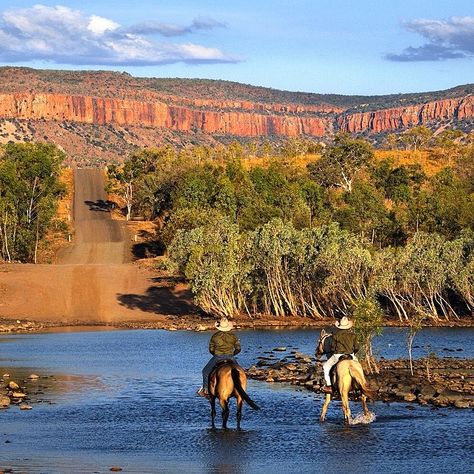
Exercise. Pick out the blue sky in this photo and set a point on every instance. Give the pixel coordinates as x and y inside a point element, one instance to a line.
<point>346,47</point>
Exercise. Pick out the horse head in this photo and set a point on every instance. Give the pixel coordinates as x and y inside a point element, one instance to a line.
<point>324,344</point>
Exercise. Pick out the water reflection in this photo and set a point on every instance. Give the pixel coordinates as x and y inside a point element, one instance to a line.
<point>226,451</point>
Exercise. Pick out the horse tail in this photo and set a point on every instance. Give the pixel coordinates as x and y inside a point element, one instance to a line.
<point>240,389</point>
<point>358,375</point>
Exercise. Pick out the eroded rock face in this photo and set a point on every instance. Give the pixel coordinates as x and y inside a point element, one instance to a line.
<point>402,117</point>
<point>237,118</point>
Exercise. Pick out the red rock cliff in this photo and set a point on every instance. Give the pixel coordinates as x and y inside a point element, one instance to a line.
<point>237,119</point>
<point>392,119</point>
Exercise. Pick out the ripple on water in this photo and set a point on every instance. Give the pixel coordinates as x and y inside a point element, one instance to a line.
<point>141,413</point>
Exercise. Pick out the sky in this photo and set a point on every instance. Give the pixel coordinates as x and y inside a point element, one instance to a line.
<point>368,47</point>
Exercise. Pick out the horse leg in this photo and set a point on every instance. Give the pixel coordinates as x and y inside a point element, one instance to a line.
<point>225,412</point>
<point>344,388</point>
<point>322,417</point>
<point>213,411</point>
<point>363,400</point>
<point>240,402</point>
<point>345,406</point>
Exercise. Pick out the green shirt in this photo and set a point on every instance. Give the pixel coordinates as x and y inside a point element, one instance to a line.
<point>224,343</point>
<point>344,341</point>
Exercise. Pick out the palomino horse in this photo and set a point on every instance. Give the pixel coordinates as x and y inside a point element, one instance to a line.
<point>349,376</point>
<point>228,380</point>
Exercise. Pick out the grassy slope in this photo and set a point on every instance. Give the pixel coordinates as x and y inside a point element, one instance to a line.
<point>115,84</point>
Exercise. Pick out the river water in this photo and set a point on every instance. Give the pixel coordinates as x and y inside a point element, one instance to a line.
<point>127,398</point>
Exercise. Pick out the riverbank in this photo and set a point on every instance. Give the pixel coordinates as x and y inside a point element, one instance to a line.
<point>193,322</point>
<point>436,381</point>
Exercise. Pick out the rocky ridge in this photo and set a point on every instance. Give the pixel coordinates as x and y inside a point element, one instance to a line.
<point>105,115</point>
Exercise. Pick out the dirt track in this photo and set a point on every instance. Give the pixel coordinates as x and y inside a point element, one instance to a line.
<point>98,239</point>
<point>92,283</point>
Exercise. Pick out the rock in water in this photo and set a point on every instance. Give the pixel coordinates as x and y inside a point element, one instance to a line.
<point>13,386</point>
<point>4,401</point>
<point>18,395</point>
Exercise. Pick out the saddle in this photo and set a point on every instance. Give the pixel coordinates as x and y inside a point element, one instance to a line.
<point>218,365</point>
<point>221,363</point>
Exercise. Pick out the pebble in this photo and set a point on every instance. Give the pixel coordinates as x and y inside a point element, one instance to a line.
<point>116,469</point>
<point>4,401</point>
<point>25,406</point>
<point>462,404</point>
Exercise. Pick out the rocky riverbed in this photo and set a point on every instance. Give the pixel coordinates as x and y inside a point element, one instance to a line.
<point>17,393</point>
<point>441,382</point>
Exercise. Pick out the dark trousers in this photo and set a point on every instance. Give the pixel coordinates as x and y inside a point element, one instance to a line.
<point>210,365</point>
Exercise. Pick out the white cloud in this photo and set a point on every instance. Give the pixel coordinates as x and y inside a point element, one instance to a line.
<point>447,39</point>
<point>66,36</point>
<point>99,25</point>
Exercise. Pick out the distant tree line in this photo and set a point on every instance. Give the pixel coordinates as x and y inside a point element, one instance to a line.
<point>343,233</point>
<point>29,193</point>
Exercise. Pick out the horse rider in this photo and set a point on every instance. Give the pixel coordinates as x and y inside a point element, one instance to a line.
<point>343,342</point>
<point>224,345</point>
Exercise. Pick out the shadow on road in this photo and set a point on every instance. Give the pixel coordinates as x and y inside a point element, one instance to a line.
<point>165,297</point>
<point>100,205</point>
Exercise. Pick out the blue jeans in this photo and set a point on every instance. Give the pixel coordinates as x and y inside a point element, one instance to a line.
<point>210,365</point>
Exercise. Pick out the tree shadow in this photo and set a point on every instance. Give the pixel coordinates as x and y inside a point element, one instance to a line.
<point>149,248</point>
<point>100,205</point>
<point>168,297</point>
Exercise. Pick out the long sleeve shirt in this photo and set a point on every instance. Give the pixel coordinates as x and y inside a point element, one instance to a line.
<point>344,341</point>
<point>224,343</point>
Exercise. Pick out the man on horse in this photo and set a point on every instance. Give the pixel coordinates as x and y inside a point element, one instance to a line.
<point>224,345</point>
<point>344,342</point>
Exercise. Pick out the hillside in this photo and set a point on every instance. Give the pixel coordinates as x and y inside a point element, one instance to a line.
<point>103,115</point>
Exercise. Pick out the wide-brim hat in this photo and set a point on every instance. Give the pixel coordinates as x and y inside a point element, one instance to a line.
<point>344,323</point>
<point>224,325</point>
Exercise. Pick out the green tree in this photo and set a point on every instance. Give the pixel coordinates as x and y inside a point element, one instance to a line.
<point>368,318</point>
<point>416,137</point>
<point>29,191</point>
<point>213,259</point>
<point>340,162</point>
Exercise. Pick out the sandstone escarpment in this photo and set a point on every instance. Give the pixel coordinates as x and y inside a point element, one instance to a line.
<point>98,116</point>
<point>461,108</point>
<point>101,111</point>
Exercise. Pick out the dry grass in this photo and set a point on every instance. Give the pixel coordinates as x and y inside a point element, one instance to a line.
<point>55,240</point>
<point>409,157</point>
<point>424,158</point>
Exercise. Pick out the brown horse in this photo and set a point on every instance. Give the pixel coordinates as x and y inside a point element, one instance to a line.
<point>228,380</point>
<point>349,376</point>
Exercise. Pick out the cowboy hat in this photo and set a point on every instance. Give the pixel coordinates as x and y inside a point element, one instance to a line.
<point>344,323</point>
<point>224,325</point>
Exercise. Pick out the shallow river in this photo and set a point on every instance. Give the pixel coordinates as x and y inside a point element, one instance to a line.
<point>127,398</point>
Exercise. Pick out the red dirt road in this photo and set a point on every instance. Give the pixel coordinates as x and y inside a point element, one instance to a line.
<point>92,283</point>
